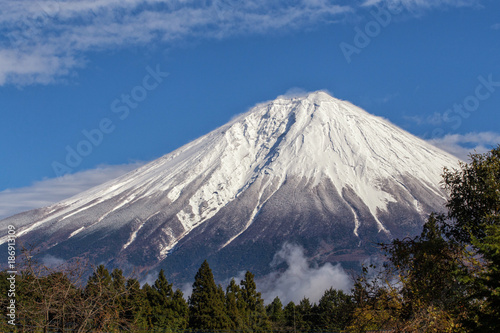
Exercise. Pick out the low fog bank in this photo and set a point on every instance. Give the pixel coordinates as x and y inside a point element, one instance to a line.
<point>302,278</point>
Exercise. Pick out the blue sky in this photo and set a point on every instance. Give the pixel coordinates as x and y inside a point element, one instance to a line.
<point>141,78</point>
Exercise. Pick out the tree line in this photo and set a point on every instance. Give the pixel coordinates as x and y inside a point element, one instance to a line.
<point>109,302</point>
<point>447,279</point>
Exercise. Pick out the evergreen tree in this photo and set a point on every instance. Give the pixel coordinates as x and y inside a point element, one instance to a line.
<point>181,310</point>
<point>137,308</point>
<point>474,194</point>
<point>100,282</point>
<point>119,289</point>
<point>489,318</point>
<point>255,313</point>
<point>206,304</point>
<point>5,301</point>
<point>474,210</point>
<point>118,280</point>
<point>304,315</point>
<point>275,314</point>
<point>235,306</point>
<point>168,308</point>
<point>99,292</point>
<point>290,314</point>
<point>335,309</point>
<point>149,295</point>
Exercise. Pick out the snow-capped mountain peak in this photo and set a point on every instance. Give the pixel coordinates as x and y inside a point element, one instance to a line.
<point>303,167</point>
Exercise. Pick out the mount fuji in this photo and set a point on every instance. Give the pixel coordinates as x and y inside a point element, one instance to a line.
<point>312,170</point>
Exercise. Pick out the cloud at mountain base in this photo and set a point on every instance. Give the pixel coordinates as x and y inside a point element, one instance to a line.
<point>302,278</point>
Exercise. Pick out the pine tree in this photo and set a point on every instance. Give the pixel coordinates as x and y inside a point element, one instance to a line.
<point>275,313</point>
<point>168,308</point>
<point>119,289</point>
<point>234,306</point>
<point>149,295</point>
<point>206,304</point>
<point>118,280</point>
<point>335,309</point>
<point>159,296</point>
<point>290,314</point>
<point>304,316</point>
<point>137,308</point>
<point>99,293</point>
<point>100,281</point>
<point>181,310</point>
<point>255,315</point>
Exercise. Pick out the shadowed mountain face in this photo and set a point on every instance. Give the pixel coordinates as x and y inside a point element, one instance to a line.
<point>313,170</point>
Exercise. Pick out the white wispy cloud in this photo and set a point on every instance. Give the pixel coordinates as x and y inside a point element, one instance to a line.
<point>46,40</point>
<point>40,66</point>
<point>496,26</point>
<point>46,192</point>
<point>419,4</point>
<point>461,145</point>
<point>435,119</point>
<point>43,41</point>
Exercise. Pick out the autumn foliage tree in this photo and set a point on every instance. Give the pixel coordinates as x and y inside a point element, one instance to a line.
<point>447,278</point>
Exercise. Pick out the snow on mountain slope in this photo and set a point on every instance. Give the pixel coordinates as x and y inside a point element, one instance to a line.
<point>353,164</point>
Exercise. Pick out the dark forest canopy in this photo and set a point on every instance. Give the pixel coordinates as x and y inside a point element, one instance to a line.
<point>447,279</point>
